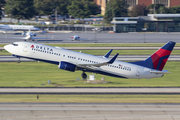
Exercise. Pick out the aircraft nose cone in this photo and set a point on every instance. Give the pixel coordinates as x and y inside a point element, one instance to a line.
<point>7,47</point>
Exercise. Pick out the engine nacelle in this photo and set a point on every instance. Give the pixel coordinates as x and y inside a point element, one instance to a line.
<point>34,34</point>
<point>67,66</point>
<point>23,33</point>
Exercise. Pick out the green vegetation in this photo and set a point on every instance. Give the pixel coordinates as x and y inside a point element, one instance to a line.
<point>20,9</point>
<point>4,52</point>
<point>82,9</point>
<point>138,10</point>
<point>90,99</point>
<point>115,8</point>
<point>34,74</point>
<point>142,10</point>
<point>2,2</point>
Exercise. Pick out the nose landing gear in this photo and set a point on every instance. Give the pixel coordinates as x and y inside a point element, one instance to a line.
<point>84,76</point>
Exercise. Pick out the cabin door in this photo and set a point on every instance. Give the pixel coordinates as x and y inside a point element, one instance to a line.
<point>138,72</point>
<point>25,49</point>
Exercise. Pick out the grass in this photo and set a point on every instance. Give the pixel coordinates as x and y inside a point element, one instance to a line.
<point>34,74</point>
<point>90,99</point>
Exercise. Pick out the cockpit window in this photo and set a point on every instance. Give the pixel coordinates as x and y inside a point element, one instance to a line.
<point>14,44</point>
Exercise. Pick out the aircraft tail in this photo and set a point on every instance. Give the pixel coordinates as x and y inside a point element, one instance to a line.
<point>158,59</point>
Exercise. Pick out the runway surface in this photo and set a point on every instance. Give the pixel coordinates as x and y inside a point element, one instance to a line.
<point>100,38</point>
<point>50,111</point>
<point>89,90</point>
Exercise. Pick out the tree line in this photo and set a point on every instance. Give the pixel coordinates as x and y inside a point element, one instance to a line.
<point>26,9</point>
<point>119,8</point>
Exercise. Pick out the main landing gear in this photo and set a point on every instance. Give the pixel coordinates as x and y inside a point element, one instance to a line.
<point>84,76</point>
<point>19,60</point>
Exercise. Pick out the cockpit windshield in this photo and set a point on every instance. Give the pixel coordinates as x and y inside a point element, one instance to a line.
<point>14,44</point>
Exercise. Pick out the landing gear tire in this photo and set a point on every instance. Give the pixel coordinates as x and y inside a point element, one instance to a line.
<point>84,76</point>
<point>18,61</point>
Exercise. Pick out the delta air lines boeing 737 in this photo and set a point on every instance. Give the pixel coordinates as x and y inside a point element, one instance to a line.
<point>71,61</point>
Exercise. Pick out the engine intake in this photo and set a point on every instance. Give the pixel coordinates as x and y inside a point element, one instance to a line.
<point>67,66</point>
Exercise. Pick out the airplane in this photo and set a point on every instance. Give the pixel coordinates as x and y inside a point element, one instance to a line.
<point>29,33</point>
<point>28,36</point>
<point>18,28</point>
<point>69,60</point>
<point>75,37</point>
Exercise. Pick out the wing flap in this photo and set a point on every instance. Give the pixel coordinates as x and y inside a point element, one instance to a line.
<point>96,65</point>
<point>17,37</point>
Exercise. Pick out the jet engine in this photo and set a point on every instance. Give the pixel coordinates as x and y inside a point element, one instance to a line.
<point>34,34</point>
<point>24,33</point>
<point>67,66</point>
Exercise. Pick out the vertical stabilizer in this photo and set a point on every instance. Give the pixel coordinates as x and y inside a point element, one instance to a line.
<point>158,59</point>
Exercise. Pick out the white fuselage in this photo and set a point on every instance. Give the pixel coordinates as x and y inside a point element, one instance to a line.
<point>56,55</point>
<point>19,27</point>
<point>75,37</point>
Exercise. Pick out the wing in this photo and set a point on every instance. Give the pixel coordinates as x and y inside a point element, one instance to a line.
<point>4,29</point>
<point>35,38</point>
<point>96,65</point>
<point>17,37</point>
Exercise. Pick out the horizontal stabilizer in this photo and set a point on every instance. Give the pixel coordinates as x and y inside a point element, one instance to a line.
<point>159,72</point>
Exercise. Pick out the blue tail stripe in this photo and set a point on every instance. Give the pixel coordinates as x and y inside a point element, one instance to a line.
<point>169,46</point>
<point>160,61</point>
<point>107,54</point>
<point>147,63</point>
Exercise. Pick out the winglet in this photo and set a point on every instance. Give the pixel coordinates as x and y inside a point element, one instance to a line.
<point>107,54</point>
<point>113,59</point>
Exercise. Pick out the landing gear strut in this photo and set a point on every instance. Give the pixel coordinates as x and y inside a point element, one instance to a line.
<point>19,60</point>
<point>84,76</point>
